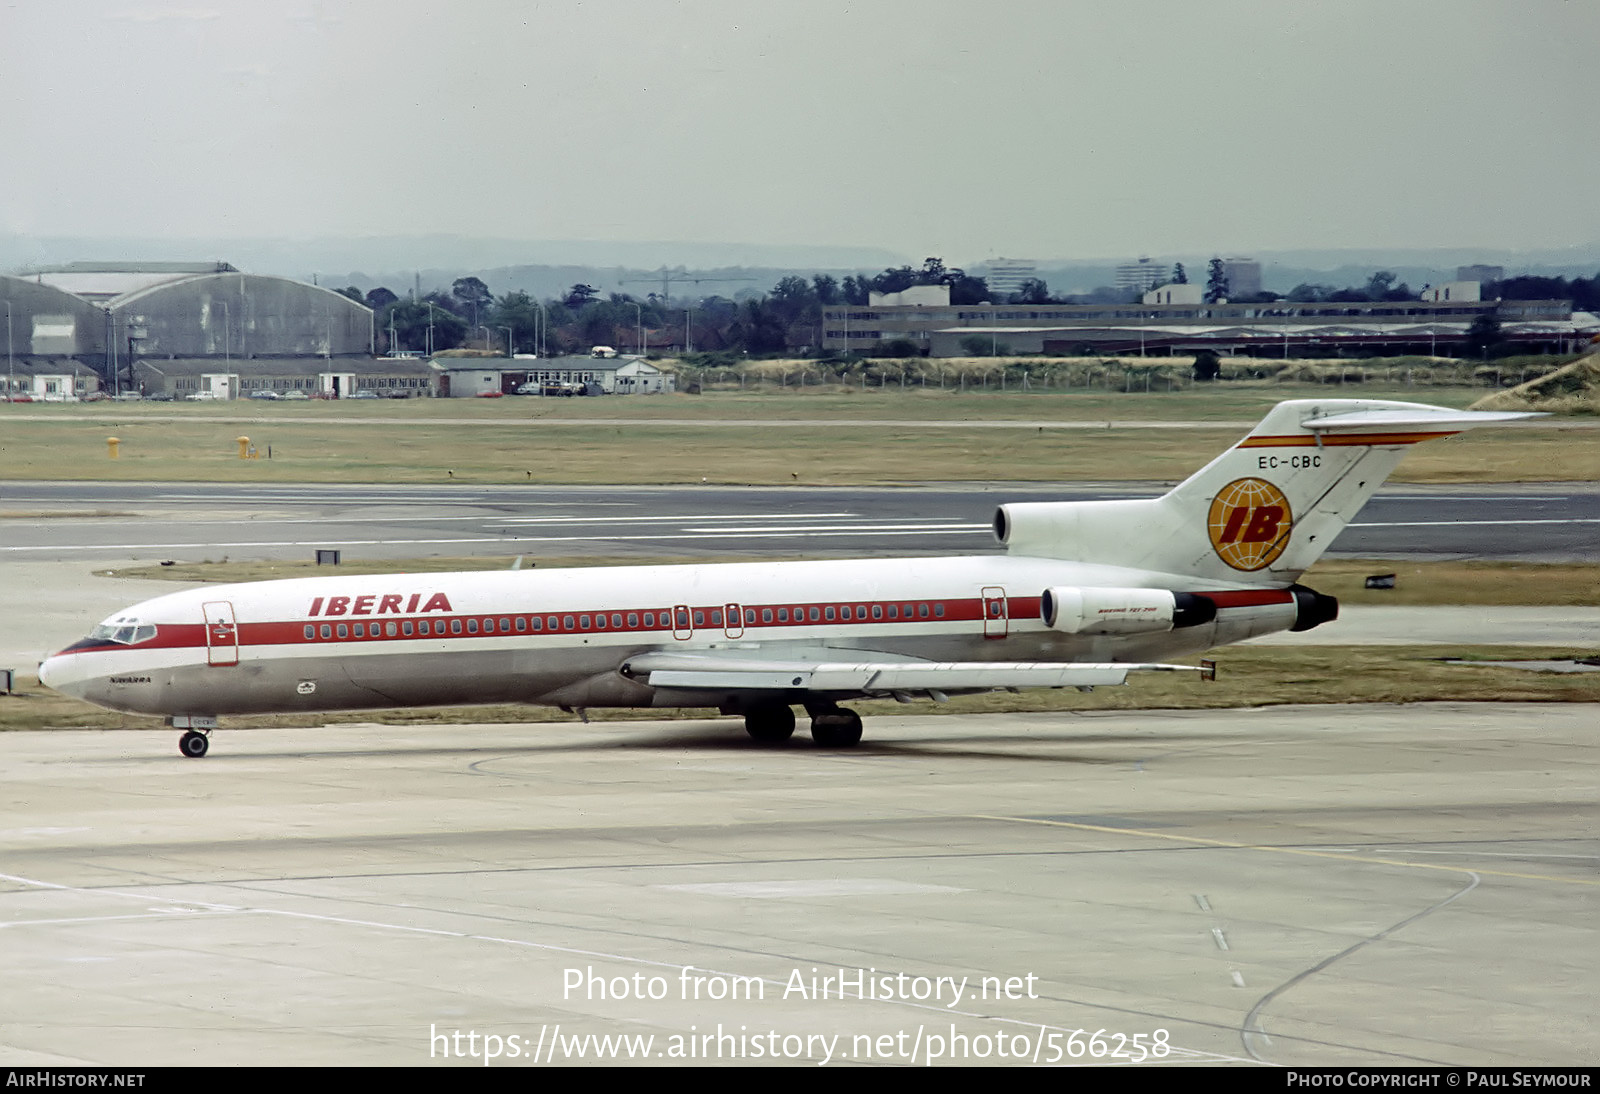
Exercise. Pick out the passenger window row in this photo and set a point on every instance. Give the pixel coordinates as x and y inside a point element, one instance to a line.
<point>664,619</point>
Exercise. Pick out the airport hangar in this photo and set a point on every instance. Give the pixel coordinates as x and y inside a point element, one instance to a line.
<point>182,328</point>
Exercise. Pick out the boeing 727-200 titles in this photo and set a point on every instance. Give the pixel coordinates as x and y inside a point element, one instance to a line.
<point>1085,593</point>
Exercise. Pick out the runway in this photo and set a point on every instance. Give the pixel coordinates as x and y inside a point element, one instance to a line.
<point>1347,885</point>
<point>187,521</point>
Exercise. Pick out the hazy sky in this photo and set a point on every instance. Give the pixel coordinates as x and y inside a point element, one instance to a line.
<point>1035,128</point>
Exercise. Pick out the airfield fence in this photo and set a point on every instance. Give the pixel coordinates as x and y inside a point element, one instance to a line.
<point>1104,374</point>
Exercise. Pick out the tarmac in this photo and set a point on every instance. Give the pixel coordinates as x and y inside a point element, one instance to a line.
<point>1367,885</point>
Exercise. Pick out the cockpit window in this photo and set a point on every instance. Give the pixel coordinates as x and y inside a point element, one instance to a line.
<point>123,631</point>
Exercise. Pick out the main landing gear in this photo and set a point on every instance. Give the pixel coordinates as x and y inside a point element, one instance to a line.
<point>770,722</point>
<point>831,726</point>
<point>193,744</point>
<point>835,727</point>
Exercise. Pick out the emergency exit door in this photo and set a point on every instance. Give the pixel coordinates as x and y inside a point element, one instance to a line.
<point>996,614</point>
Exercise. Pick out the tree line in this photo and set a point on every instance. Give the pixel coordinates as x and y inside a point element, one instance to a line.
<point>788,318</point>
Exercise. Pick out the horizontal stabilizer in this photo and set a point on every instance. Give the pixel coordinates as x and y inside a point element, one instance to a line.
<point>1421,418</point>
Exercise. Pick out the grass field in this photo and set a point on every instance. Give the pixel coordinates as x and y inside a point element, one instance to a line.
<point>832,437</point>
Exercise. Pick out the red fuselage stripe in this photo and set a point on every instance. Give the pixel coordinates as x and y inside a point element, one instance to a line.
<point>756,617</point>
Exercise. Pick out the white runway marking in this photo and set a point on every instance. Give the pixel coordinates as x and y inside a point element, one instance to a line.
<point>480,517</point>
<point>852,528</point>
<point>684,519</point>
<point>785,890</point>
<point>1468,523</point>
<point>1472,497</point>
<point>359,499</point>
<point>888,530</point>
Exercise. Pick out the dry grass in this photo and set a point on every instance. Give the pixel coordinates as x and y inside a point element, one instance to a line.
<point>831,450</point>
<point>1573,389</point>
<point>1533,584</point>
<point>1248,676</point>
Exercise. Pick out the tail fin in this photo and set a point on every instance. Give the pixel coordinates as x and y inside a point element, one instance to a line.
<point>1263,511</point>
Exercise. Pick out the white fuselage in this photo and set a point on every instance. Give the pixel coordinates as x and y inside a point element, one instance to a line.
<point>561,637</point>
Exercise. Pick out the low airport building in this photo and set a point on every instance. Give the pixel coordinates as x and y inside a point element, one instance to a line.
<point>280,377</point>
<point>1176,324</point>
<point>472,377</point>
<point>47,381</point>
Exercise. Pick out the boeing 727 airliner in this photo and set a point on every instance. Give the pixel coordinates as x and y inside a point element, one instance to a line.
<point>1086,592</point>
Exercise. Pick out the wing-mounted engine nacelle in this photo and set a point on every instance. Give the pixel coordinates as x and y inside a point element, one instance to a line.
<point>1122,611</point>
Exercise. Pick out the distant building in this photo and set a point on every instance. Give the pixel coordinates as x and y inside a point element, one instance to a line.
<point>1142,275</point>
<point>1175,294</point>
<point>1006,275</point>
<point>276,377</point>
<point>1480,273</point>
<point>927,296</point>
<point>1456,291</point>
<point>570,375</point>
<point>106,316</point>
<point>1238,327</point>
<point>640,377</point>
<point>1244,276</point>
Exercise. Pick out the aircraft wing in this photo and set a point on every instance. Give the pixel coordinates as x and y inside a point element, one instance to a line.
<point>713,673</point>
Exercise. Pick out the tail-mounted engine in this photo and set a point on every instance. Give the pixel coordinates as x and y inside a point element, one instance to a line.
<point>1312,609</point>
<point>1122,611</point>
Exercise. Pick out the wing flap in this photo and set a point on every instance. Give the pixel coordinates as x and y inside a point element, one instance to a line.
<point>892,676</point>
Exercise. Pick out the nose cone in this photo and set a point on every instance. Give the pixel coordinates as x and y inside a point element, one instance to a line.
<point>58,674</point>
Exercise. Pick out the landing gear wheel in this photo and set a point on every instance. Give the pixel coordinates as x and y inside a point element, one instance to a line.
<point>193,745</point>
<point>771,723</point>
<point>837,728</point>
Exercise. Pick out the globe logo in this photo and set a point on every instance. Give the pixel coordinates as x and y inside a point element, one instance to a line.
<point>1249,523</point>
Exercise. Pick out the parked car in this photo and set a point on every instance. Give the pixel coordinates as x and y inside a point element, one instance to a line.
<point>365,394</point>
<point>263,395</point>
<point>296,395</point>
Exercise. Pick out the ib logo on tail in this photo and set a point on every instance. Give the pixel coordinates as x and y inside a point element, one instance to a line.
<point>1249,523</point>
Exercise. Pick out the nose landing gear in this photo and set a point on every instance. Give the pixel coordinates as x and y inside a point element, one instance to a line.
<point>197,739</point>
